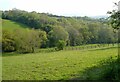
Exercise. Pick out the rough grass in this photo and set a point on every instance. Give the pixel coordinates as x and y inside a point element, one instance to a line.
<point>59,65</point>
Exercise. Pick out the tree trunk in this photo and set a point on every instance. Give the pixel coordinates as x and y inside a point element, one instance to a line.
<point>33,50</point>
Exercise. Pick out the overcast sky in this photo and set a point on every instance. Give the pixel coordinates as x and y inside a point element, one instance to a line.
<point>61,7</point>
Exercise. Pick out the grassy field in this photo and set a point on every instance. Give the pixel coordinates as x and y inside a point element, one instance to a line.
<point>10,25</point>
<point>59,65</point>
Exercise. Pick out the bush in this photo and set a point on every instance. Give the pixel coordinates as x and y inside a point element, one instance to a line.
<point>61,44</point>
<point>22,41</point>
<point>8,45</point>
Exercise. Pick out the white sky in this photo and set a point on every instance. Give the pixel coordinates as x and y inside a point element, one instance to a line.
<point>62,7</point>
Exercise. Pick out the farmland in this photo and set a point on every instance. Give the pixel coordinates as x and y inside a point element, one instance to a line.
<point>60,65</point>
<point>42,46</point>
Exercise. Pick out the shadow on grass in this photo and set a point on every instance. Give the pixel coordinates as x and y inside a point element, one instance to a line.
<point>5,54</point>
<point>11,54</point>
<point>108,70</point>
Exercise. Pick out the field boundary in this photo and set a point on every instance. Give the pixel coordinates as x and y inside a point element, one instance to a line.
<point>90,47</point>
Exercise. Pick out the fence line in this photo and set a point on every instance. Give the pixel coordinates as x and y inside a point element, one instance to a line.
<point>89,47</point>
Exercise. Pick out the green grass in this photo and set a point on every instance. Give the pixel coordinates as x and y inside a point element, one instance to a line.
<point>58,65</point>
<point>11,25</point>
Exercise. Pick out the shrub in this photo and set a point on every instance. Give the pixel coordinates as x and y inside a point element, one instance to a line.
<point>29,40</point>
<point>8,43</point>
<point>22,41</point>
<point>61,44</point>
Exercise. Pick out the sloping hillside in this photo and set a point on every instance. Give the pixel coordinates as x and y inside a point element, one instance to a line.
<point>10,25</point>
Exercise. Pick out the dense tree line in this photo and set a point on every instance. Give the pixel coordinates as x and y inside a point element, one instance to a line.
<point>22,41</point>
<point>71,31</point>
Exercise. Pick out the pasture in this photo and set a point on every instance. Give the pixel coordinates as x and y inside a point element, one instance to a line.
<point>11,25</point>
<point>59,65</point>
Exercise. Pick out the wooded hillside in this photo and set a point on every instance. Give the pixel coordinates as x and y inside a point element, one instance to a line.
<point>47,30</point>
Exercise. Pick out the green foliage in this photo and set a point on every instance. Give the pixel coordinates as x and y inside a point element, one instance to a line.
<point>61,44</point>
<point>8,43</point>
<point>75,31</point>
<point>23,40</point>
<point>19,37</point>
<point>115,19</point>
<point>58,33</point>
<point>29,40</point>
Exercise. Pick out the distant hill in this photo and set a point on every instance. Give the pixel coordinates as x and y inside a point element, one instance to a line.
<point>101,16</point>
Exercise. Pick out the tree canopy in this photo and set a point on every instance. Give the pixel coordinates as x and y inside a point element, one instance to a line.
<point>47,30</point>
